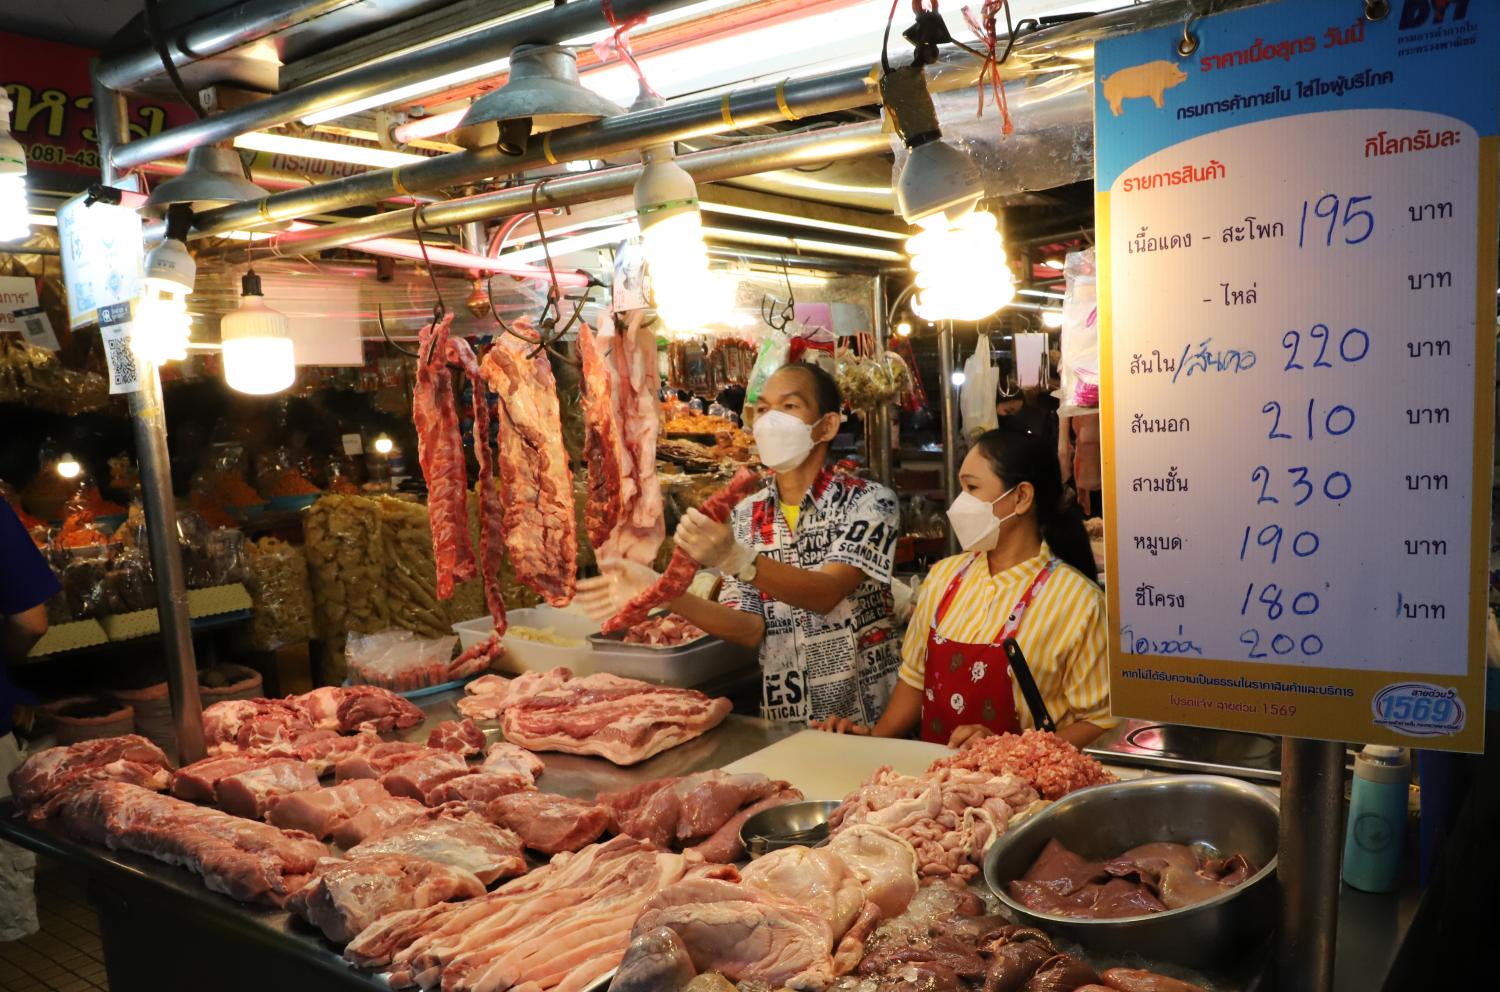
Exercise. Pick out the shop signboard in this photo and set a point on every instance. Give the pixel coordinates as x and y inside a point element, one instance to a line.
<point>1297,231</point>
<point>53,116</point>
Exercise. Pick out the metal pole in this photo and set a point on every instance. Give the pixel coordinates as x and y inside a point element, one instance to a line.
<point>149,421</point>
<point>712,165</point>
<point>950,420</point>
<point>242,24</point>
<point>1307,866</point>
<point>879,424</point>
<point>610,137</point>
<point>412,68</point>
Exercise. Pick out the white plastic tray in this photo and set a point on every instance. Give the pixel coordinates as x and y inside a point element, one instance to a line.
<point>686,666</point>
<point>523,655</point>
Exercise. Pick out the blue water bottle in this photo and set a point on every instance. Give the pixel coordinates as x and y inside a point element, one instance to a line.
<point>1377,818</point>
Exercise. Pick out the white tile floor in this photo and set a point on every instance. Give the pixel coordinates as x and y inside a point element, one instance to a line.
<point>65,955</point>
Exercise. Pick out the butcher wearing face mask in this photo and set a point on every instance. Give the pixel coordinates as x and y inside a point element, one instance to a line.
<point>806,564</point>
<point>1026,572</point>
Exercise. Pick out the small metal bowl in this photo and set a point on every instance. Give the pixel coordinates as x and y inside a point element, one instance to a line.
<point>788,825</point>
<point>1106,820</point>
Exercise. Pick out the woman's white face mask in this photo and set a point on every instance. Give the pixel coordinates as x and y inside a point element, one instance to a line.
<point>782,440</point>
<point>974,522</point>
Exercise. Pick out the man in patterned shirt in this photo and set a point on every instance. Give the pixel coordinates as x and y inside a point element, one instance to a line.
<point>806,564</point>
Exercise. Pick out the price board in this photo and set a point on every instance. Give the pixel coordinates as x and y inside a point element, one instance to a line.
<point>1297,231</point>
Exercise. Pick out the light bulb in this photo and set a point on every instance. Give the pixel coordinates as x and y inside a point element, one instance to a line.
<point>687,295</point>
<point>258,355</point>
<point>384,445</point>
<point>1052,318</point>
<point>15,220</point>
<point>960,267</point>
<point>160,323</point>
<point>903,329</point>
<point>67,466</point>
<point>1055,263</point>
<point>958,378</point>
<point>14,224</point>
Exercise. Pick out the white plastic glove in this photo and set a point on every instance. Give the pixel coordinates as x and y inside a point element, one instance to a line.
<point>620,581</point>
<point>711,543</point>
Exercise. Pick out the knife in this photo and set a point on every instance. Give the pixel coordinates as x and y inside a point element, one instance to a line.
<point>1029,691</point>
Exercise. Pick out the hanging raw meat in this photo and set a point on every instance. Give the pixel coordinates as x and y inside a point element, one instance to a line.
<point>440,449</point>
<point>491,513</point>
<point>536,485</point>
<point>601,440</point>
<point>630,354</point>
<point>680,571</point>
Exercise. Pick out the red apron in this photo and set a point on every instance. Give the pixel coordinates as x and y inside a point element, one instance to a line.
<point>970,683</point>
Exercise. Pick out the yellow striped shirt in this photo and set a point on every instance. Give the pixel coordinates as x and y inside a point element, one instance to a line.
<point>1061,635</point>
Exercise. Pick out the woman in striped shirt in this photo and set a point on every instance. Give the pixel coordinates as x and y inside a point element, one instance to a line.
<point>1027,572</point>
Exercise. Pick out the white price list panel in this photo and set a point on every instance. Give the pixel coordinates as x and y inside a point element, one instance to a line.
<point>1297,314</point>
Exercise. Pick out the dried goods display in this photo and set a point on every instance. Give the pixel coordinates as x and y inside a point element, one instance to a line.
<point>406,550</point>
<point>347,574</point>
<point>279,588</point>
<point>35,377</point>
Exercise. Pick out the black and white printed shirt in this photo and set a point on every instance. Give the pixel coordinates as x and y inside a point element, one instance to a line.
<point>814,666</point>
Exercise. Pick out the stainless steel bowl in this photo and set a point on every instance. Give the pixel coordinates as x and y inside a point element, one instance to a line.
<point>1106,820</point>
<point>787,825</point>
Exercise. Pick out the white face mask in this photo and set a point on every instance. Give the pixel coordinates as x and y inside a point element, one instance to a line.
<point>782,440</point>
<point>974,522</point>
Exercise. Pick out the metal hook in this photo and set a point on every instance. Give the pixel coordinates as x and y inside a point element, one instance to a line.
<point>440,308</point>
<point>778,318</point>
<point>1377,10</point>
<point>1189,41</point>
<point>380,317</point>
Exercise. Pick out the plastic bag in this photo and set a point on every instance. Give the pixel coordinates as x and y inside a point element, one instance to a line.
<point>398,659</point>
<point>773,355</point>
<point>977,395</point>
<point>1080,332</point>
<point>279,589</point>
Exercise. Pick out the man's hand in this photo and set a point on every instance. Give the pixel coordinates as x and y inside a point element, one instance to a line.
<point>968,734</point>
<point>841,725</point>
<point>712,544</point>
<point>621,581</point>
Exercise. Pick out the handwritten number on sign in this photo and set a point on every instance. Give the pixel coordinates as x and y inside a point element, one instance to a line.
<point>1356,227</point>
<point>1353,346</point>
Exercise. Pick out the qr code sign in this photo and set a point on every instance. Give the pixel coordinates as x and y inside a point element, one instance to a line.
<point>123,376</point>
<point>36,328</point>
<point>114,330</point>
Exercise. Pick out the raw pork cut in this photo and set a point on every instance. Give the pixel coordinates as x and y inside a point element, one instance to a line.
<point>416,777</point>
<point>684,808</point>
<point>885,864</point>
<point>321,706</point>
<point>541,533</point>
<point>491,509</point>
<point>268,725</point>
<point>623,720</point>
<point>459,736</point>
<point>479,787</point>
<point>321,811</point>
<point>745,934</point>
<point>489,696</point>
<point>323,749</point>
<point>951,815</point>
<point>250,792</point>
<point>547,823</point>
<point>510,938</point>
<point>630,354</point>
<point>196,782</point>
<point>490,852</point>
<point>664,630</point>
<point>440,449</point>
<point>812,877</point>
<point>376,817</point>
<point>377,759</point>
<point>601,441</point>
<point>724,846</point>
<point>502,757</point>
<point>681,569</point>
<point>347,896</point>
<point>244,859</point>
<point>656,960</point>
<point>370,707</point>
<point>45,775</point>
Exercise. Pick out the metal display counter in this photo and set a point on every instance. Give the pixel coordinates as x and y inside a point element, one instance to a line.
<point>163,930</point>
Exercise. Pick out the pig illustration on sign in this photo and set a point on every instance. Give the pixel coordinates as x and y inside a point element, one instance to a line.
<point>1147,79</point>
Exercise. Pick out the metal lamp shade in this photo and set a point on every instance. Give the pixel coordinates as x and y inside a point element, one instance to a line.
<point>938,178</point>
<point>542,94</point>
<point>213,178</point>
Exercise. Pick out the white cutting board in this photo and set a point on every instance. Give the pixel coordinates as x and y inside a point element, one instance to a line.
<point>830,766</point>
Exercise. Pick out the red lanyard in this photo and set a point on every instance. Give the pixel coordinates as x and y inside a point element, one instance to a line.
<point>1013,622</point>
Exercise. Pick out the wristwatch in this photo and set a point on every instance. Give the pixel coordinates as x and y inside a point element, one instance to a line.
<point>748,573</point>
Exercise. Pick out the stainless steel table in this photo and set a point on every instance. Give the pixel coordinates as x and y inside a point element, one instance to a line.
<point>163,930</point>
